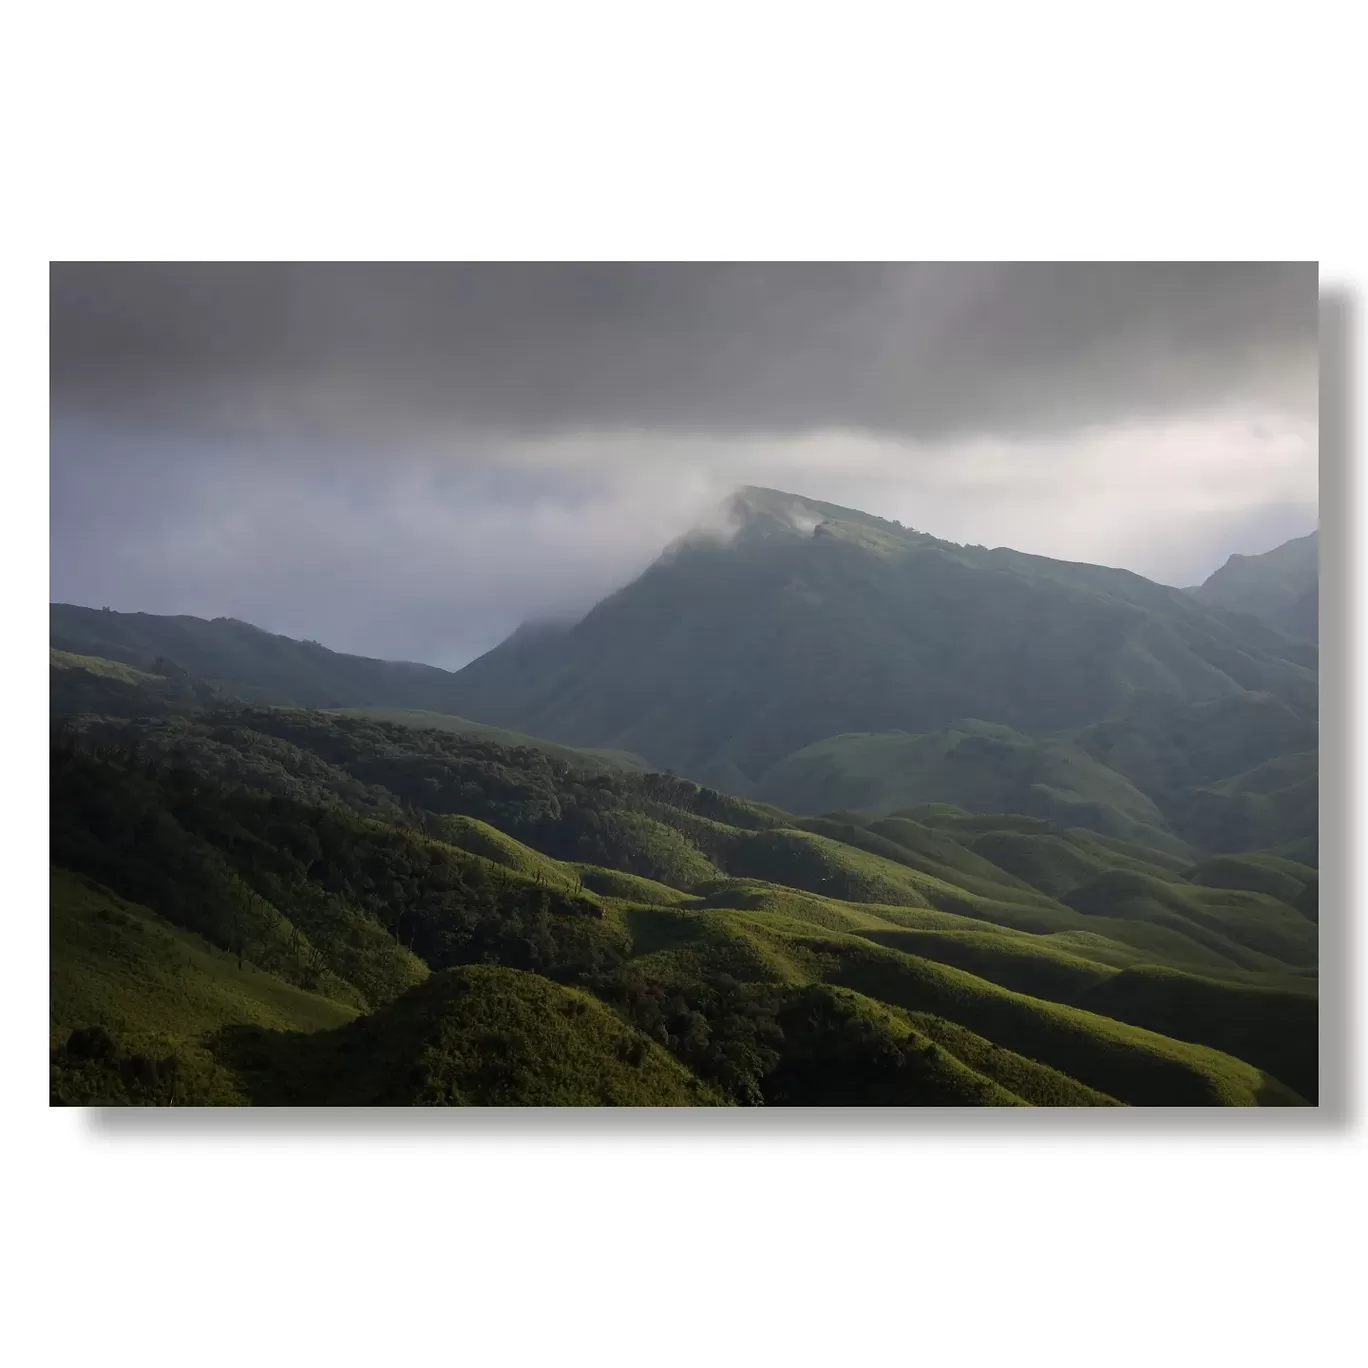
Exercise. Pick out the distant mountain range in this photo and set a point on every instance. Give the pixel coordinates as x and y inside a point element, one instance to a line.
<point>247,662</point>
<point>817,658</point>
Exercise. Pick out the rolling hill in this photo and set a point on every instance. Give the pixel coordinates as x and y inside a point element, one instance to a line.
<point>265,905</point>
<point>818,658</point>
<point>974,765</point>
<point>245,662</point>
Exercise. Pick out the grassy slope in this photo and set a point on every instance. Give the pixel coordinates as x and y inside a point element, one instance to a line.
<point>1008,963</point>
<point>1229,774</point>
<point>974,765</point>
<point>1187,926</point>
<point>1137,1066</point>
<point>161,990</point>
<point>1105,1058</point>
<point>482,1035</point>
<point>106,669</point>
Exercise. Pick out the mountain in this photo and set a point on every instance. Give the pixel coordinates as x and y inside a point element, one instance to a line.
<point>811,621</point>
<point>817,658</point>
<point>246,662</point>
<point>979,766</point>
<point>1280,587</point>
<point>1238,773</point>
<point>92,684</point>
<point>265,905</point>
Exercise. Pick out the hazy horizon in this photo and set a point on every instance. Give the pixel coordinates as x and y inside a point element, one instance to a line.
<point>572,615</point>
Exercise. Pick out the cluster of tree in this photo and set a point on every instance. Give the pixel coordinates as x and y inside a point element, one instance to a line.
<point>292,887</point>
<point>771,1044</point>
<point>654,825</point>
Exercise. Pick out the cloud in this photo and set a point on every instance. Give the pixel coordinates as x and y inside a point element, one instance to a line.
<point>408,560</point>
<point>408,461</point>
<point>411,354</point>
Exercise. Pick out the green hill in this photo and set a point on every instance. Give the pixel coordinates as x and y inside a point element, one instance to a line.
<point>313,908</point>
<point>979,766</point>
<point>821,659</point>
<point>1232,774</point>
<point>156,993</point>
<point>248,663</point>
<point>476,1036</point>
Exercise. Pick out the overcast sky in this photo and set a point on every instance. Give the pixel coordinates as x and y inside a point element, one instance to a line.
<point>408,461</point>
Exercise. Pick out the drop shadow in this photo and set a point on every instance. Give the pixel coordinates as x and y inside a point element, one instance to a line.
<point>1340,894</point>
<point>772,1124</point>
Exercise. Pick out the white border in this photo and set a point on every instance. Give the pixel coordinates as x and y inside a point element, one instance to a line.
<point>594,131</point>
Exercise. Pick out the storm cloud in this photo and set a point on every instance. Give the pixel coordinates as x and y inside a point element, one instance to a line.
<point>408,460</point>
<point>913,351</point>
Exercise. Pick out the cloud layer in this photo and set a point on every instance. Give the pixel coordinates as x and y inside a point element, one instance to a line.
<point>408,460</point>
<point>912,350</point>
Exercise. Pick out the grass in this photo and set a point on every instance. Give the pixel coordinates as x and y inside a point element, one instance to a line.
<point>481,1035</point>
<point>97,665</point>
<point>975,765</point>
<point>1275,1030</point>
<point>1028,964</point>
<point>1274,1027</point>
<point>1164,1038</point>
<point>1252,930</point>
<point>932,957</point>
<point>1284,880</point>
<point>1033,1082</point>
<point>160,990</point>
<point>1134,1065</point>
<point>613,883</point>
<point>479,838</point>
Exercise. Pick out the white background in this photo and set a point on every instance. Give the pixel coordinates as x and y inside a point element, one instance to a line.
<point>656,131</point>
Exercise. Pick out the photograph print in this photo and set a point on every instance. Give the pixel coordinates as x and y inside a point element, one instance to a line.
<point>665,685</point>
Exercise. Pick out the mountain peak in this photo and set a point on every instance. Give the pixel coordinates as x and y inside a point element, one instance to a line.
<point>773,510</point>
<point>1279,586</point>
<point>753,512</point>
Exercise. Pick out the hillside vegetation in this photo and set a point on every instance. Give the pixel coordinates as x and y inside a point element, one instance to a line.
<point>813,621</point>
<point>819,658</point>
<point>979,766</point>
<point>246,662</point>
<point>273,906</point>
